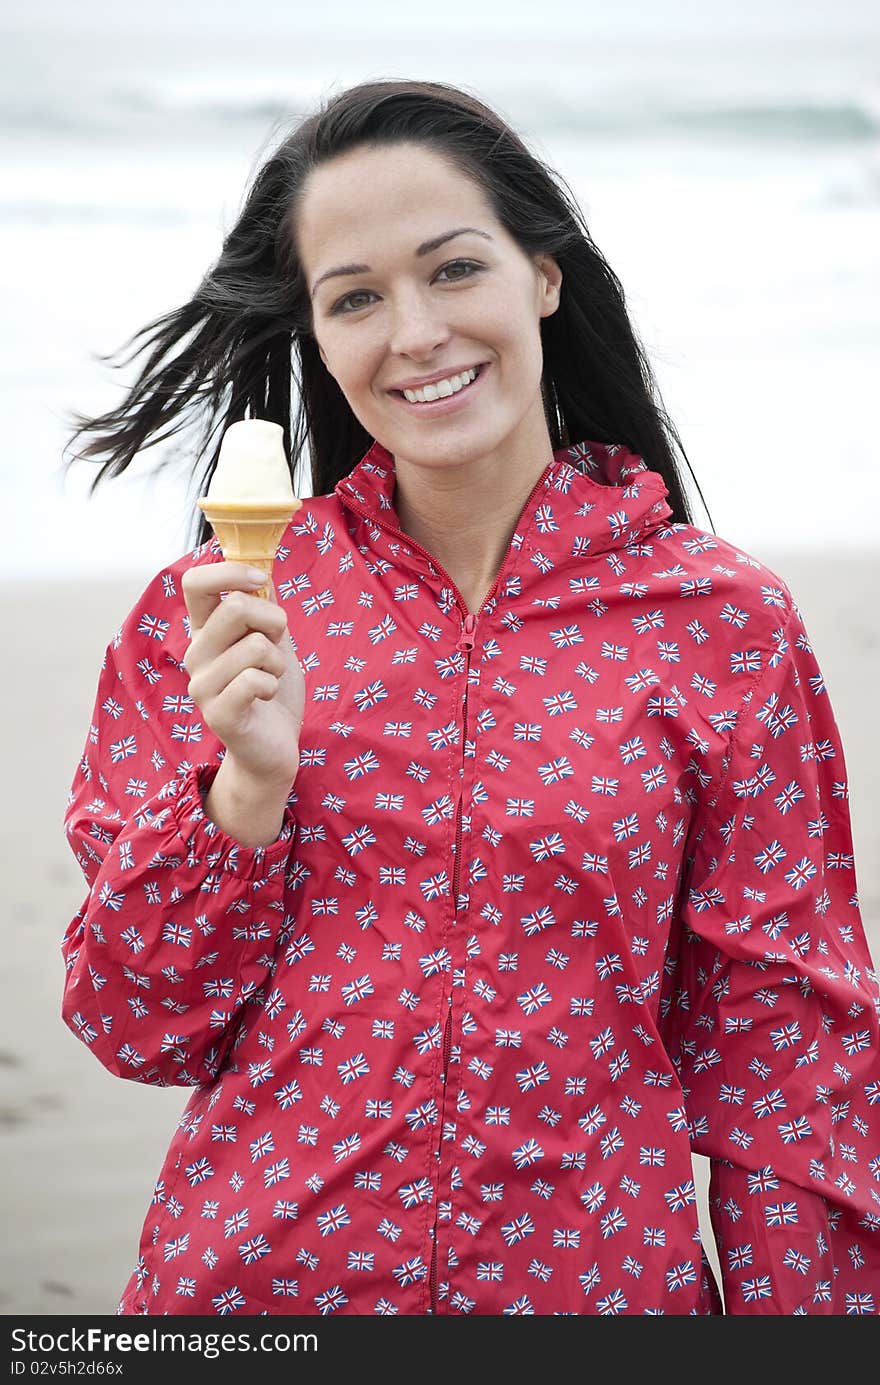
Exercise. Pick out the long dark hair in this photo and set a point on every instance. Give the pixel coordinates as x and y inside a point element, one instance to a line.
<point>234,350</point>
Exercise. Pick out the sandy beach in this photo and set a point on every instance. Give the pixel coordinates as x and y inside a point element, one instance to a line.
<point>82,1148</point>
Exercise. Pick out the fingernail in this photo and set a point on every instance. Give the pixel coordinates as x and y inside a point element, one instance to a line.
<point>257,577</point>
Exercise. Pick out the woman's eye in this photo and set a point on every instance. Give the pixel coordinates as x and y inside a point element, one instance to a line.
<point>459,264</point>
<point>340,305</point>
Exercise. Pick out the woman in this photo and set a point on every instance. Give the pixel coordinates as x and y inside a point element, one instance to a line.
<point>530,871</point>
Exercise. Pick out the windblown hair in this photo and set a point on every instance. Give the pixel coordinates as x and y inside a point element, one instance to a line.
<point>234,350</point>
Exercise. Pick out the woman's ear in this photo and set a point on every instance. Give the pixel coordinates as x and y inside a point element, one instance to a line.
<point>551,287</point>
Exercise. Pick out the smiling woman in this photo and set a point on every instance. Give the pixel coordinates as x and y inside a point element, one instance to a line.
<point>467,450</point>
<point>545,880</point>
<point>506,217</point>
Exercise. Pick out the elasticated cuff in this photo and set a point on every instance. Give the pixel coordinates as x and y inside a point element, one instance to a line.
<point>207,842</point>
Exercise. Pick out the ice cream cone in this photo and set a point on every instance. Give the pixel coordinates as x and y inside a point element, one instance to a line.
<point>249,531</point>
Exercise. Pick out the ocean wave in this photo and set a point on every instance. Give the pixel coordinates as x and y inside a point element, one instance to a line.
<point>197,108</point>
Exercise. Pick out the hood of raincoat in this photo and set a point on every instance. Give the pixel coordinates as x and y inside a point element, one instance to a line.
<point>592,498</point>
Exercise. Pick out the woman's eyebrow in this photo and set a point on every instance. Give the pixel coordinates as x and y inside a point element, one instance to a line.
<point>424,249</point>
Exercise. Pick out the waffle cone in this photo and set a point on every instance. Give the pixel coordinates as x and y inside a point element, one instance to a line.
<point>249,531</point>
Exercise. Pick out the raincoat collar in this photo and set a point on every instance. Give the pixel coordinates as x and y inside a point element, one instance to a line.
<point>593,497</point>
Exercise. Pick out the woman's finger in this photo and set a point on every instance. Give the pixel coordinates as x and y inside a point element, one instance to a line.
<point>229,709</point>
<point>256,650</point>
<point>233,619</point>
<point>203,583</point>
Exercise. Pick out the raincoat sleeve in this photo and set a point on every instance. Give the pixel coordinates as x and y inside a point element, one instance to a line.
<point>179,926</point>
<point>773,1009</point>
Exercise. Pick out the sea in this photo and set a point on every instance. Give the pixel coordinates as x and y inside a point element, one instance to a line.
<point>727,160</point>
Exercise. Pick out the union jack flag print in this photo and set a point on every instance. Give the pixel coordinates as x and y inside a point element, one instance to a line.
<point>564,892</point>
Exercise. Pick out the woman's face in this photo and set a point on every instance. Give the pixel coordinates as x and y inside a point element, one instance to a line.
<point>400,311</point>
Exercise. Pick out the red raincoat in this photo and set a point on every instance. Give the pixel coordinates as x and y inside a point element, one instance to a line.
<point>565,890</point>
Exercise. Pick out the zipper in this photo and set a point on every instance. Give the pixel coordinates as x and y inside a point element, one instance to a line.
<point>465,643</point>
<point>447,1046</point>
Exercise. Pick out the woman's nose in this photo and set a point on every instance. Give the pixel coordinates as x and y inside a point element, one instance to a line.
<point>417,328</point>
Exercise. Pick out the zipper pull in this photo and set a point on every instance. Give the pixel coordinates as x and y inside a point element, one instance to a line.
<point>466,638</point>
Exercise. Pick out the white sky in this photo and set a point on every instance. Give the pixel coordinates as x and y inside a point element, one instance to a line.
<point>644,19</point>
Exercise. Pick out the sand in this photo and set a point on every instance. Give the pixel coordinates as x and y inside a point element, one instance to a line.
<point>83,1148</point>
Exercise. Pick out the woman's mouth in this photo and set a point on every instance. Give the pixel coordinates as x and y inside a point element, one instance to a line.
<point>445,404</point>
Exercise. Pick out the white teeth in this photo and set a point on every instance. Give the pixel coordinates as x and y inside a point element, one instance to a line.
<point>441,388</point>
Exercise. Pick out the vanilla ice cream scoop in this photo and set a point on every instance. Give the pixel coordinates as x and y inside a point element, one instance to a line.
<point>252,465</point>
<point>250,499</point>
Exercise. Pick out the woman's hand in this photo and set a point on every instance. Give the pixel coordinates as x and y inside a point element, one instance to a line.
<point>248,683</point>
